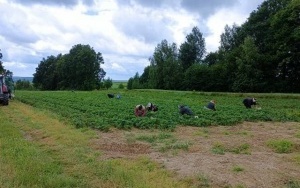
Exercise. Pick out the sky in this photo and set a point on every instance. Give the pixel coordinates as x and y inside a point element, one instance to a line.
<point>126,32</point>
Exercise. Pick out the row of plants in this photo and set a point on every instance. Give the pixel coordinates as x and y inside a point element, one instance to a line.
<point>94,109</point>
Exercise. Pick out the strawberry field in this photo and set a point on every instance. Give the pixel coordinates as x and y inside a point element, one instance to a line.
<point>94,109</point>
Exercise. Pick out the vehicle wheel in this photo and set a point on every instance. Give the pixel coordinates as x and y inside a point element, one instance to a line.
<point>5,99</point>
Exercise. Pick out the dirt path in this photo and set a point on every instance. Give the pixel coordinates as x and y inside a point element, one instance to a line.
<point>245,161</point>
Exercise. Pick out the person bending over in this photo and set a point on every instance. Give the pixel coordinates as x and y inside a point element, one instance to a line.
<point>248,102</point>
<point>185,110</point>
<point>140,110</point>
<point>211,105</point>
<point>151,107</point>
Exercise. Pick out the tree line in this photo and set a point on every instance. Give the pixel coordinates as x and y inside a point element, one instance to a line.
<point>80,69</point>
<point>261,55</point>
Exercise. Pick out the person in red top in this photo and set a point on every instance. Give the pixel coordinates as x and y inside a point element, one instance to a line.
<point>140,110</point>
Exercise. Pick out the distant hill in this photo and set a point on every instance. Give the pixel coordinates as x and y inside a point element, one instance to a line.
<point>16,78</point>
<point>122,81</point>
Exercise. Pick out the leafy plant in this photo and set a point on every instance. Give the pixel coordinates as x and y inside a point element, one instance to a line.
<point>281,146</point>
<point>218,148</point>
<point>238,169</point>
<point>241,149</point>
<point>203,180</point>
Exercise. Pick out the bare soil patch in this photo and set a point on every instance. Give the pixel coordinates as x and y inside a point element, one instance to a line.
<point>259,166</point>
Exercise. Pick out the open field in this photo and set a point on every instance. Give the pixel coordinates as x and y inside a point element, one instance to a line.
<point>96,110</point>
<point>40,146</point>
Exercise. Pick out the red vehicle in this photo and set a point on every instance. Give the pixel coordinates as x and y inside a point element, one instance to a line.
<point>4,93</point>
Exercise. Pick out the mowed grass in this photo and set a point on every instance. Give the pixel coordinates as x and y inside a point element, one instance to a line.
<point>94,109</point>
<point>38,150</point>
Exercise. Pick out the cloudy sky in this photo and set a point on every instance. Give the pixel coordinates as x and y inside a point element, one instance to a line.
<point>126,32</point>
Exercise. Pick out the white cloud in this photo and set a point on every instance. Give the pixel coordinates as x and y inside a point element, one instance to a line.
<point>126,32</point>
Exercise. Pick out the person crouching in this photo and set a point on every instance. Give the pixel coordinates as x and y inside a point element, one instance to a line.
<point>185,110</point>
<point>151,107</point>
<point>140,110</point>
<point>211,105</point>
<point>248,102</point>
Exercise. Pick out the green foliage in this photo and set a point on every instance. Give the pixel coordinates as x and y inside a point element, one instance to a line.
<point>164,142</point>
<point>193,49</point>
<point>78,70</point>
<point>107,83</point>
<point>94,109</point>
<point>203,181</point>
<point>237,169</point>
<point>293,184</point>
<point>261,55</point>
<point>164,71</point>
<point>241,149</point>
<point>23,85</point>
<point>281,146</point>
<point>121,86</point>
<point>30,165</point>
<point>218,148</point>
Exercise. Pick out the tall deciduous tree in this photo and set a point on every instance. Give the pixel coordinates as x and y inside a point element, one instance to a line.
<point>83,65</point>
<point>44,77</point>
<point>287,42</point>
<point>167,74</point>
<point>80,69</point>
<point>229,39</point>
<point>193,49</point>
<point>248,75</point>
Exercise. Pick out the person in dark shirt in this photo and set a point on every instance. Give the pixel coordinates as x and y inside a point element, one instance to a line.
<point>110,95</point>
<point>211,105</point>
<point>185,110</point>
<point>151,107</point>
<point>248,102</point>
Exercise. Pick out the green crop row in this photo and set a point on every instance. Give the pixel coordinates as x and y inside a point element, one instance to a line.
<point>94,109</point>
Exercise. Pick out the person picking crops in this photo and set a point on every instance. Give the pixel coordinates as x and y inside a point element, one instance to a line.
<point>185,110</point>
<point>248,102</point>
<point>151,107</point>
<point>140,110</point>
<point>211,105</point>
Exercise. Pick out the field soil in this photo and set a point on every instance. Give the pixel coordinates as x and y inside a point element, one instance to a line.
<point>257,166</point>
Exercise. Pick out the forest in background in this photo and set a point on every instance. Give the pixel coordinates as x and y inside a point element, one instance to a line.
<point>261,55</point>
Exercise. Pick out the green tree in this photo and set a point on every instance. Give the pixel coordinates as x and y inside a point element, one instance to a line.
<point>193,49</point>
<point>144,78</point>
<point>129,83</point>
<point>197,77</point>
<point>286,23</point>
<point>259,27</point>
<point>165,72</point>
<point>80,70</point>
<point>44,77</point>
<point>107,83</point>
<point>23,85</point>
<point>153,81</point>
<point>229,39</point>
<point>211,58</point>
<point>121,86</point>
<point>249,78</point>
<point>136,81</point>
<point>83,67</point>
